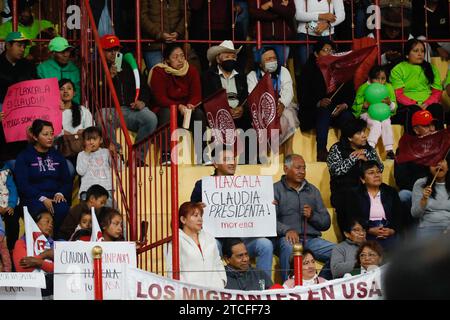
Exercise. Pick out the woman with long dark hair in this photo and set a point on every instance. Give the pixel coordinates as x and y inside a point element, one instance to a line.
<point>431,201</point>
<point>417,85</point>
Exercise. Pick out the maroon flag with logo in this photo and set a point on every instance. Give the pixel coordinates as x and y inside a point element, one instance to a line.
<point>219,118</point>
<point>341,67</point>
<point>262,102</point>
<point>427,151</point>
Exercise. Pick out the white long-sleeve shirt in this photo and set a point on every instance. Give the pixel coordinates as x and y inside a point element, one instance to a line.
<point>86,120</point>
<point>94,168</point>
<point>304,16</point>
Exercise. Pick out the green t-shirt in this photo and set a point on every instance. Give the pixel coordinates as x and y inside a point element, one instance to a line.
<point>447,81</point>
<point>360,98</point>
<point>412,79</point>
<point>30,32</point>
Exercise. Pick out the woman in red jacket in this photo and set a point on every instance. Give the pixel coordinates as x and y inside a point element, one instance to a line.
<point>175,82</point>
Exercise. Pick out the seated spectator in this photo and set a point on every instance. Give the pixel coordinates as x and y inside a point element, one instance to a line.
<point>14,68</point>
<point>225,73</point>
<point>431,19</point>
<point>375,203</point>
<point>301,216</point>
<point>136,113</point>
<point>406,174</point>
<point>110,221</point>
<point>277,23</point>
<point>377,128</point>
<point>368,257</point>
<point>240,274</point>
<point>200,261</point>
<point>42,175</point>
<point>343,256</point>
<point>317,110</point>
<point>40,52</point>
<point>417,86</point>
<point>8,201</point>
<point>316,22</point>
<point>94,164</point>
<point>266,60</point>
<point>395,25</point>
<point>42,261</point>
<point>309,272</point>
<point>163,22</point>
<point>260,248</point>
<point>76,118</point>
<point>84,224</point>
<point>175,82</point>
<point>59,65</point>
<point>28,24</point>
<point>344,161</point>
<point>431,201</point>
<point>96,196</point>
<point>213,16</point>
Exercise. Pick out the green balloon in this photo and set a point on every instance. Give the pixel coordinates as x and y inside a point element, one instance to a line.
<point>379,111</point>
<point>376,92</point>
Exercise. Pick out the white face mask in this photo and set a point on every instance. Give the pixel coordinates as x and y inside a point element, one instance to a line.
<point>271,66</point>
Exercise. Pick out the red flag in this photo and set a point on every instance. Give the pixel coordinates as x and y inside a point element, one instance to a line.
<point>427,151</point>
<point>362,73</point>
<point>341,67</point>
<point>219,118</point>
<point>263,107</point>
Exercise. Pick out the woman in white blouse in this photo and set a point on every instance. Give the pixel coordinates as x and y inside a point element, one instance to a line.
<point>316,20</point>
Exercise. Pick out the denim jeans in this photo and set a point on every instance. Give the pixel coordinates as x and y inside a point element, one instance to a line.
<point>259,248</point>
<point>143,122</point>
<point>152,58</point>
<point>321,248</point>
<point>242,20</point>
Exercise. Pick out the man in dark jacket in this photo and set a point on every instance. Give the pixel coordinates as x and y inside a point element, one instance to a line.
<point>301,216</point>
<point>138,117</point>
<point>240,275</point>
<point>225,74</point>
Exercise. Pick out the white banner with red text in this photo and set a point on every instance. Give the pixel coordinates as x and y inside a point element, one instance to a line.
<point>144,285</point>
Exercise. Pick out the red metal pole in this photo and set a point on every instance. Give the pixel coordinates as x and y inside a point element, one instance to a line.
<point>138,35</point>
<point>298,264</point>
<point>63,19</point>
<point>174,181</point>
<point>98,279</point>
<point>377,28</point>
<point>15,15</point>
<point>258,28</point>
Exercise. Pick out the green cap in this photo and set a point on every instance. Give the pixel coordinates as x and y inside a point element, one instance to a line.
<point>16,36</point>
<point>58,44</point>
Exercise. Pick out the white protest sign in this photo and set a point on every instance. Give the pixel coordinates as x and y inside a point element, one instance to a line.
<point>74,269</point>
<point>144,285</point>
<point>21,285</point>
<point>239,206</point>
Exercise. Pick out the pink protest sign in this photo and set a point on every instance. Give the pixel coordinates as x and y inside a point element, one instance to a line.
<point>29,100</point>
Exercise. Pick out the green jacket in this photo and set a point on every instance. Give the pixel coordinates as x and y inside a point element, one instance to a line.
<point>51,69</point>
<point>357,107</point>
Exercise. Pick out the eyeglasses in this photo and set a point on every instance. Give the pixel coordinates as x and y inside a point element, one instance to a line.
<point>328,50</point>
<point>370,255</point>
<point>358,230</point>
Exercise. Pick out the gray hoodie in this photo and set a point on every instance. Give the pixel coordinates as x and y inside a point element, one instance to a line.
<point>343,258</point>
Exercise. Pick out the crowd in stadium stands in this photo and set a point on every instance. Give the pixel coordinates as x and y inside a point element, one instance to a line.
<point>374,217</point>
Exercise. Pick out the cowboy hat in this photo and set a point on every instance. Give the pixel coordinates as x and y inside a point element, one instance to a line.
<point>392,17</point>
<point>226,46</point>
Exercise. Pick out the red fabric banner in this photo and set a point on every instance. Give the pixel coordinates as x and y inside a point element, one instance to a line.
<point>219,118</point>
<point>427,151</point>
<point>341,67</point>
<point>262,102</point>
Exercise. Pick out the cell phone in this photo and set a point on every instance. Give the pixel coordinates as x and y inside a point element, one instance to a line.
<point>144,229</point>
<point>118,61</point>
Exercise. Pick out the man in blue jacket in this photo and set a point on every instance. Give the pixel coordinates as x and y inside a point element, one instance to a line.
<point>301,216</point>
